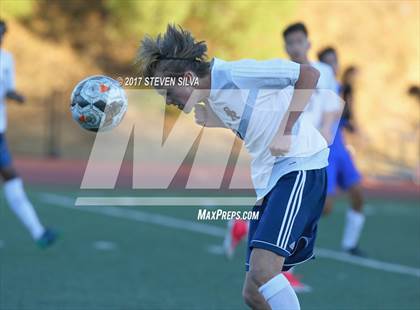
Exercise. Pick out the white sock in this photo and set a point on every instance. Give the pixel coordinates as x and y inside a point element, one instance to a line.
<point>19,203</point>
<point>352,229</point>
<point>279,294</point>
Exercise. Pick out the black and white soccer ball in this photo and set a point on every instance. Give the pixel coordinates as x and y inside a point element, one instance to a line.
<point>98,103</point>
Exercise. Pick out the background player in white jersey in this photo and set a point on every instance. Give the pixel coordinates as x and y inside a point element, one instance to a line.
<point>342,171</point>
<point>288,153</point>
<point>13,187</point>
<point>325,115</point>
<point>323,108</point>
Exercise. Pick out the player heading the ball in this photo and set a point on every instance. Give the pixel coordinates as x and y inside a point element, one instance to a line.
<point>262,101</point>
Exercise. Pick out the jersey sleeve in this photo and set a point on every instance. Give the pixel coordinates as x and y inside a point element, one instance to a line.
<point>274,74</point>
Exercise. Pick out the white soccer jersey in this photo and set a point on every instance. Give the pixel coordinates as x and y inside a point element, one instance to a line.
<point>251,97</point>
<point>324,99</point>
<point>7,82</point>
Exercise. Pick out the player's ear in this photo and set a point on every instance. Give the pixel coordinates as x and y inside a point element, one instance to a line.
<point>309,44</point>
<point>190,75</point>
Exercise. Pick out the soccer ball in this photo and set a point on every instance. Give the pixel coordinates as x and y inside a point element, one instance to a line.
<point>98,103</point>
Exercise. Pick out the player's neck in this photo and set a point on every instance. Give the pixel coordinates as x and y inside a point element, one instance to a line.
<point>303,60</point>
<point>204,85</point>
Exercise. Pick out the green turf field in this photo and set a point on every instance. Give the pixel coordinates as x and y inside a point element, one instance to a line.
<point>162,258</point>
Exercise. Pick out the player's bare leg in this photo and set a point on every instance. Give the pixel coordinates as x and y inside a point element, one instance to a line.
<point>17,201</point>
<point>356,197</point>
<point>252,296</point>
<point>265,286</point>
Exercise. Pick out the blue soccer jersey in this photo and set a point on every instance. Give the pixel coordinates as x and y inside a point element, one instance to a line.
<point>5,157</point>
<point>342,171</point>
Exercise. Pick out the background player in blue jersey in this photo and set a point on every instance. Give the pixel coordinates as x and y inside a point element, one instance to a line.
<point>342,172</point>
<point>13,186</point>
<point>289,155</point>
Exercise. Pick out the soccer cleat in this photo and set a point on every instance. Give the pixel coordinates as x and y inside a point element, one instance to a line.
<point>237,230</point>
<point>48,238</point>
<point>356,252</point>
<point>296,284</point>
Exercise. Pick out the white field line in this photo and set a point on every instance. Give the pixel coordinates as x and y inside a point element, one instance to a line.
<point>164,201</point>
<point>103,245</point>
<point>216,231</point>
<point>367,262</point>
<point>138,216</point>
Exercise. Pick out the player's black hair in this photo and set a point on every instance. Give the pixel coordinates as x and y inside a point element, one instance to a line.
<point>325,51</point>
<point>414,91</point>
<point>3,26</point>
<point>294,28</point>
<point>346,74</point>
<point>173,53</point>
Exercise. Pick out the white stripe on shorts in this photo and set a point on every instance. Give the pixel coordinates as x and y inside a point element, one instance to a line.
<point>295,212</point>
<point>289,203</point>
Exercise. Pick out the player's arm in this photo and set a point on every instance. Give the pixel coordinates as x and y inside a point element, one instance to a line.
<point>10,83</point>
<point>304,87</point>
<point>16,96</point>
<point>350,124</point>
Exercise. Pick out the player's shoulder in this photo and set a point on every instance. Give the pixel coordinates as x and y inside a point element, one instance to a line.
<point>228,69</point>
<point>220,65</point>
<point>257,69</point>
<point>268,63</point>
<point>221,72</point>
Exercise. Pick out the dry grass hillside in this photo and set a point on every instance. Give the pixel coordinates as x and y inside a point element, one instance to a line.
<point>382,38</point>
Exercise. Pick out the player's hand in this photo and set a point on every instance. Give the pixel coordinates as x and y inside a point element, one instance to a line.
<point>205,116</point>
<point>280,145</point>
<point>14,95</point>
<point>200,114</point>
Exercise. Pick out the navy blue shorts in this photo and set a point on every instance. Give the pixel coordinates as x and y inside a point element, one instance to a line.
<point>5,157</point>
<point>288,217</point>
